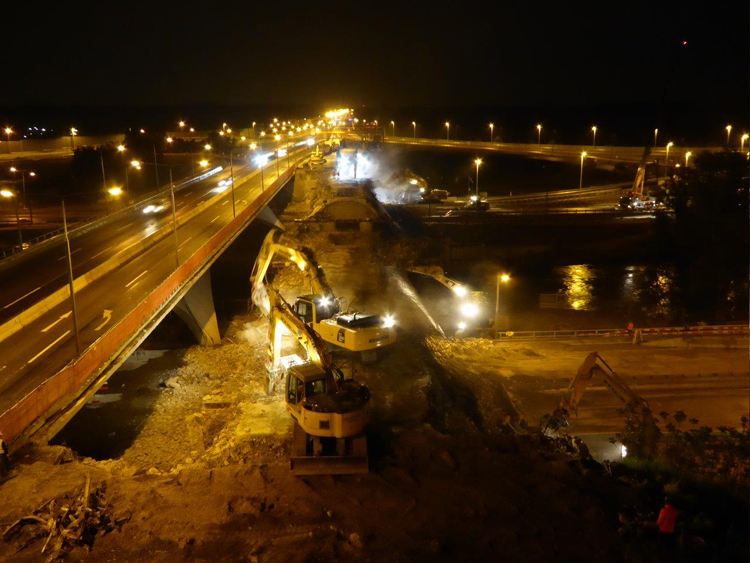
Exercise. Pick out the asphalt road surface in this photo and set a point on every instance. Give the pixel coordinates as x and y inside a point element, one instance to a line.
<point>42,348</point>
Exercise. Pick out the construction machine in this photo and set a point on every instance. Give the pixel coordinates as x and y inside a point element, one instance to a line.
<point>594,365</point>
<point>352,331</point>
<point>328,410</point>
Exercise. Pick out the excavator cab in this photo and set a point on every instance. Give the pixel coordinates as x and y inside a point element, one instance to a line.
<point>328,436</point>
<point>315,308</point>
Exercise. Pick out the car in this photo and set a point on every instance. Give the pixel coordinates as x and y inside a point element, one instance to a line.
<point>156,205</point>
<point>475,204</point>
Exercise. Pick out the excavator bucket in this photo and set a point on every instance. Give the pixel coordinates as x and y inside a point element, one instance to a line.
<point>348,456</point>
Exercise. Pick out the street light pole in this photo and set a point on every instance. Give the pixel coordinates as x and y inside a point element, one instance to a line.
<point>447,131</point>
<point>393,126</point>
<point>174,219</point>
<point>492,132</point>
<point>8,132</point>
<point>231,173</point>
<point>580,181</point>
<point>593,129</point>
<point>104,179</point>
<point>539,134</point>
<point>478,161</point>
<point>156,167</point>
<point>70,282</point>
<point>742,141</point>
<point>414,123</point>
<point>729,132</point>
<point>656,134</point>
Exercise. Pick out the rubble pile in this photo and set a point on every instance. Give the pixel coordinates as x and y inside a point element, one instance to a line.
<point>65,523</point>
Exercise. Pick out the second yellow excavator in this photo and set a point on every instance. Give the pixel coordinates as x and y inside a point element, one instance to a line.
<point>355,331</point>
<point>329,410</point>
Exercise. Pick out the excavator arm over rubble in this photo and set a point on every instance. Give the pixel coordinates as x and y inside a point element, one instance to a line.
<point>595,366</point>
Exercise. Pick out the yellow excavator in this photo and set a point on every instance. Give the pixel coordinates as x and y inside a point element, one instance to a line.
<point>593,366</point>
<point>355,331</point>
<point>329,411</point>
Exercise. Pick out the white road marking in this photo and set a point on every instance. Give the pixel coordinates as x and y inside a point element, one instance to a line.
<point>72,253</point>
<point>225,202</point>
<point>24,297</point>
<point>122,228</point>
<point>99,253</point>
<point>67,332</point>
<point>215,218</point>
<point>184,242</point>
<point>135,278</point>
<point>107,315</point>
<point>133,286</point>
<point>65,316</point>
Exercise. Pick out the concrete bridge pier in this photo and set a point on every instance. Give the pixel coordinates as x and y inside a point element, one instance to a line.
<point>196,308</point>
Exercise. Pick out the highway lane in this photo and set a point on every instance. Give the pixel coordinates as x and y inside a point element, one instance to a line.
<point>31,277</point>
<point>30,356</point>
<point>35,275</point>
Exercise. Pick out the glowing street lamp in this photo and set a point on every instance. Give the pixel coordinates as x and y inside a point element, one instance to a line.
<point>414,124</point>
<point>207,146</point>
<point>120,148</point>
<point>687,158</point>
<point>670,144</point>
<point>73,133</point>
<point>742,141</point>
<point>115,191</point>
<point>203,163</point>
<point>23,172</point>
<point>656,134</point>
<point>593,130</point>
<point>538,133</point>
<point>181,124</point>
<point>8,194</point>
<point>729,132</point>
<point>580,181</point>
<point>170,140</point>
<point>447,131</point>
<point>478,162</point>
<point>393,126</point>
<point>492,131</point>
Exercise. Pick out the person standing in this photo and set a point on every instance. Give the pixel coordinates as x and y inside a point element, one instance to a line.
<point>666,524</point>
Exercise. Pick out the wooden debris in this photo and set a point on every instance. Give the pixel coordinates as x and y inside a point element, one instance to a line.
<point>66,523</point>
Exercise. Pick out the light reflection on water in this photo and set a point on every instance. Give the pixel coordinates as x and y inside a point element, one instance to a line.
<point>591,288</point>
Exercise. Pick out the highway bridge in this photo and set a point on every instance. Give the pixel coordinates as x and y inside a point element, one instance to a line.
<point>605,154</point>
<point>129,271</point>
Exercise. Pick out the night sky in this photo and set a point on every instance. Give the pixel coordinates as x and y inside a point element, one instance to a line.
<point>388,55</point>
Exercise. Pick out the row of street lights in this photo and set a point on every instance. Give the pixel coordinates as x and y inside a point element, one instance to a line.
<point>539,127</point>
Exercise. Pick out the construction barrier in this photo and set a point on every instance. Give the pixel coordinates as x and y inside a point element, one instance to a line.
<point>713,330</point>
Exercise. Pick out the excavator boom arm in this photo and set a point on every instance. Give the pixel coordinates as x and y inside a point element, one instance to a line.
<point>275,244</point>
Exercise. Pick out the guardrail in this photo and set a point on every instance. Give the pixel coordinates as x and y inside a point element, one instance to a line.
<point>709,330</point>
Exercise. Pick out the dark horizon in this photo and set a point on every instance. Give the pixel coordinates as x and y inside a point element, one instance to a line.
<point>388,56</point>
<point>617,123</point>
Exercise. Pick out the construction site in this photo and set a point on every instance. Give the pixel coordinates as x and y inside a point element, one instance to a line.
<point>366,404</point>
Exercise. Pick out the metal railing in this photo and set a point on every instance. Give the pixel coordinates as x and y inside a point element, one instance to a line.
<point>708,330</point>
